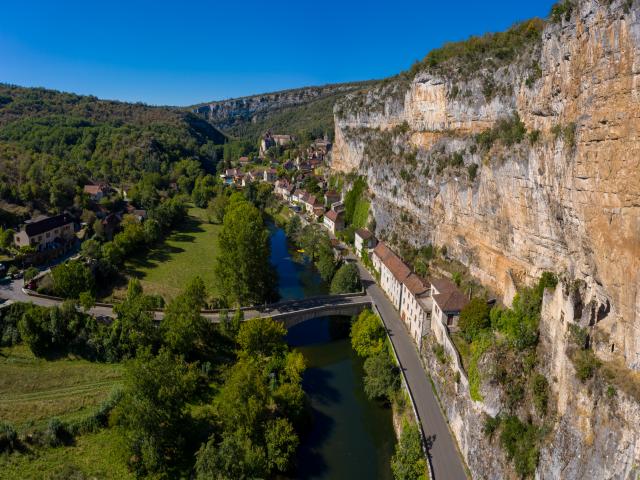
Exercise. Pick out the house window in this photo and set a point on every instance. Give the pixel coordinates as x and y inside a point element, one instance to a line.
<point>449,320</point>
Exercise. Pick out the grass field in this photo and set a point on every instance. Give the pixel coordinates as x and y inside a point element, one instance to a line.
<point>96,456</point>
<point>191,251</point>
<point>33,390</point>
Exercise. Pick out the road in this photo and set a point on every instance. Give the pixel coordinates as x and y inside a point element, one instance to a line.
<point>445,460</point>
<point>13,291</point>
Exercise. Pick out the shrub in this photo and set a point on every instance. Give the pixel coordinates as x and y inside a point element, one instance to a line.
<point>367,334</point>
<point>8,438</point>
<point>474,318</point>
<point>490,425</point>
<point>472,170</point>
<point>408,462</point>
<point>540,391</point>
<point>562,10</point>
<point>520,442</point>
<point>441,355</point>
<point>346,279</point>
<point>586,364</point>
<point>382,378</point>
<point>57,433</point>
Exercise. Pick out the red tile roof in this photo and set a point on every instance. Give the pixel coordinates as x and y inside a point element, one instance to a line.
<point>332,215</point>
<point>364,234</point>
<point>449,298</point>
<point>392,261</point>
<point>416,285</point>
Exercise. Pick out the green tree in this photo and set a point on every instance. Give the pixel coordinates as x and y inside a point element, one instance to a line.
<point>72,278</point>
<point>184,329</point>
<point>153,411</point>
<point>234,457</point>
<point>293,228</point>
<point>326,265</point>
<point>6,238</point>
<point>408,462</point>
<point>346,279</point>
<point>367,334</point>
<point>243,272</point>
<point>474,318</point>
<point>217,208</point>
<point>382,378</point>
<point>261,336</point>
<point>282,442</point>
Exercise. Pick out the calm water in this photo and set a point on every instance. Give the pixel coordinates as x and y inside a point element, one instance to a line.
<point>351,437</point>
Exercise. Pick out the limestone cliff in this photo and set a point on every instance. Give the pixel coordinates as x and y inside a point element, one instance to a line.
<point>520,163</point>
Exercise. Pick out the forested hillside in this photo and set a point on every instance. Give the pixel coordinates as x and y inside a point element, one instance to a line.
<point>51,143</point>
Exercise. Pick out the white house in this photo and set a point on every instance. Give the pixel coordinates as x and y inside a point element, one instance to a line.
<point>333,221</point>
<point>416,306</point>
<point>364,239</point>
<point>393,271</point>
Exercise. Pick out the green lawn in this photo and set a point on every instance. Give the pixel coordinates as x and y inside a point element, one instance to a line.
<point>33,390</point>
<point>188,252</point>
<point>96,456</point>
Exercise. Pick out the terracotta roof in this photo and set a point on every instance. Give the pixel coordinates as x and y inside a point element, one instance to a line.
<point>397,267</point>
<point>364,234</point>
<point>449,298</point>
<point>332,215</point>
<point>416,285</point>
<point>382,251</point>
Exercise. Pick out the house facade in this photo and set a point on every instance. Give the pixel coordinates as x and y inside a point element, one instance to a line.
<point>334,221</point>
<point>97,192</point>
<point>416,306</point>
<point>393,271</point>
<point>448,302</point>
<point>364,239</point>
<point>42,231</point>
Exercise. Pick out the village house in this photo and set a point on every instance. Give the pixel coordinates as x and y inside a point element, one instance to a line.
<point>269,140</point>
<point>392,270</point>
<point>269,175</point>
<point>416,306</point>
<point>311,203</point>
<point>97,192</point>
<point>284,188</point>
<point>318,211</point>
<point>364,239</point>
<point>298,195</point>
<point>43,231</point>
<point>448,302</point>
<point>243,161</point>
<point>334,221</point>
<point>331,197</point>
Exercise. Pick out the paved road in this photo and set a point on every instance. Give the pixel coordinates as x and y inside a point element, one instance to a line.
<point>13,291</point>
<point>446,462</point>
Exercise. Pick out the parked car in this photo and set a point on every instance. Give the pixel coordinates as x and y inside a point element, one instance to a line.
<point>5,280</point>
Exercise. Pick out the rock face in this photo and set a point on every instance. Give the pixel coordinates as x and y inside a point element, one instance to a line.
<point>570,202</point>
<point>565,198</point>
<point>227,113</point>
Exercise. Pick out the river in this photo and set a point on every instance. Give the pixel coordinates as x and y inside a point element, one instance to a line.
<point>351,437</point>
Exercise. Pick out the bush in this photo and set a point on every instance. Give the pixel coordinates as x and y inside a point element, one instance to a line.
<point>540,391</point>
<point>586,364</point>
<point>408,462</point>
<point>441,355</point>
<point>8,438</point>
<point>520,442</point>
<point>490,425</point>
<point>57,433</point>
<point>367,334</point>
<point>346,279</point>
<point>474,318</point>
<point>382,377</point>
<point>472,170</point>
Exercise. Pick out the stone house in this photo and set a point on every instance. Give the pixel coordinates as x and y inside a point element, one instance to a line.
<point>334,221</point>
<point>269,175</point>
<point>43,231</point>
<point>331,197</point>
<point>364,239</point>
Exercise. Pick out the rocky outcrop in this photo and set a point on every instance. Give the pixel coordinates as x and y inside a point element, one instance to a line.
<point>519,168</point>
<point>568,201</point>
<point>228,113</point>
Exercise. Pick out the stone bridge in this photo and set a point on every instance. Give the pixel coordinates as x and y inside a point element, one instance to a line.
<point>291,313</point>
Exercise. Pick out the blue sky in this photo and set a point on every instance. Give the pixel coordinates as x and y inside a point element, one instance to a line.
<point>181,53</point>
